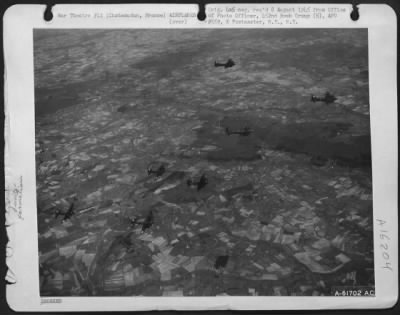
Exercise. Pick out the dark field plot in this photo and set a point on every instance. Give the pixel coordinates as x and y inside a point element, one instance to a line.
<point>161,174</point>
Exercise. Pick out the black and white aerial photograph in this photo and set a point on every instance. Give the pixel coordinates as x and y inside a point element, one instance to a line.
<point>203,162</point>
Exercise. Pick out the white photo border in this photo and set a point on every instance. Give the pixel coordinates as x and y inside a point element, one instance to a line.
<point>19,22</point>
